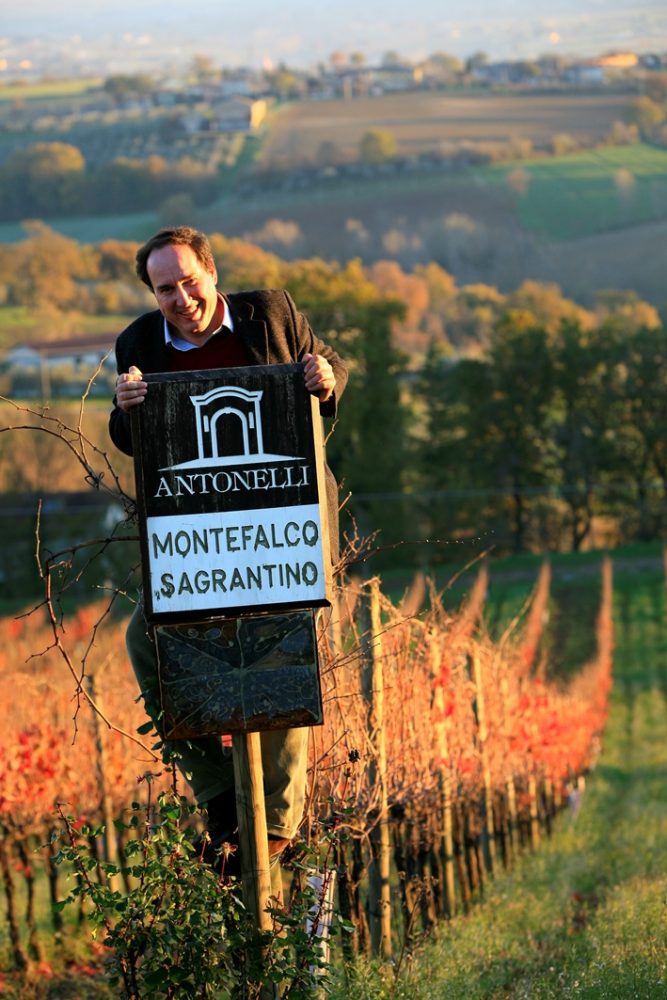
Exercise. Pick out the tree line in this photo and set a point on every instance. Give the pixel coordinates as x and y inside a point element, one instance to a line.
<point>548,434</point>
<point>520,417</point>
<point>51,179</point>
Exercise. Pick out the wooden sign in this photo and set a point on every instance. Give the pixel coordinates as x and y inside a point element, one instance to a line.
<point>239,675</point>
<point>230,494</point>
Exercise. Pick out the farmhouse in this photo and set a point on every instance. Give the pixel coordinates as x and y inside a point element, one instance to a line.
<point>78,352</point>
<point>238,114</point>
<point>62,367</point>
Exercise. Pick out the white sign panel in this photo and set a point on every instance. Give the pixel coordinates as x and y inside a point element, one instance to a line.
<point>253,558</point>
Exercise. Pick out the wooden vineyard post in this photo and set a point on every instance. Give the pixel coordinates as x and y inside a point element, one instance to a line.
<point>110,842</point>
<point>510,789</point>
<point>533,807</point>
<point>442,754</point>
<point>379,895</point>
<point>548,804</point>
<point>511,817</point>
<point>253,837</point>
<point>483,733</point>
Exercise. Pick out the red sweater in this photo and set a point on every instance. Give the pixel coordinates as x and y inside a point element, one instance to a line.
<point>224,350</point>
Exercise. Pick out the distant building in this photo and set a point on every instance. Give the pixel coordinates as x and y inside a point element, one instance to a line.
<point>651,60</point>
<point>79,352</point>
<point>396,78</point>
<point>503,73</point>
<point>360,81</point>
<point>584,73</point>
<point>241,83</point>
<point>238,114</point>
<point>618,60</point>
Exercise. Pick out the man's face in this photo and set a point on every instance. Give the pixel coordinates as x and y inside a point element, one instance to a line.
<point>185,291</point>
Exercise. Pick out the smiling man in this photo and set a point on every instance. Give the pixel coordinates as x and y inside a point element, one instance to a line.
<point>196,327</point>
<point>186,292</point>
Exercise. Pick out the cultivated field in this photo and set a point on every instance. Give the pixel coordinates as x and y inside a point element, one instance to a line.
<point>588,220</point>
<point>582,193</point>
<point>632,258</point>
<point>48,89</point>
<point>426,121</point>
<point>334,219</point>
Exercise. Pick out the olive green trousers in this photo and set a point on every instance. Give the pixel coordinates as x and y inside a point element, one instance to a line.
<point>207,765</point>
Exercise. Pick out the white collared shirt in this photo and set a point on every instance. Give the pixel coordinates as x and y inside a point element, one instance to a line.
<point>184,345</point>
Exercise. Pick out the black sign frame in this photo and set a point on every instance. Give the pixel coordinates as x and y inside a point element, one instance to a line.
<point>276,472</point>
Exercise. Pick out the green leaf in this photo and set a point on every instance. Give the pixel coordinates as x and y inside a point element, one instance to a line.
<point>156,978</point>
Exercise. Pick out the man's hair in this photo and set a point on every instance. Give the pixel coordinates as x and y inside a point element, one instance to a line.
<point>174,235</point>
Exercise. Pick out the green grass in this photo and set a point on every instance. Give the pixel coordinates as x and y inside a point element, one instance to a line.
<point>134,226</point>
<point>20,324</point>
<point>511,583</point>
<point>19,318</point>
<point>584,193</point>
<point>586,916</point>
<point>506,603</point>
<point>48,89</point>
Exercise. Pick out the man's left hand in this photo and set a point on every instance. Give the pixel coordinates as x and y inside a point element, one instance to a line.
<point>320,379</point>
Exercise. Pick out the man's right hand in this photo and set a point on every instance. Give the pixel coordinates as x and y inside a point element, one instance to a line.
<point>130,390</point>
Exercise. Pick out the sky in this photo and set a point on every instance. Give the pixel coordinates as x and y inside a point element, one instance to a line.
<point>304,32</point>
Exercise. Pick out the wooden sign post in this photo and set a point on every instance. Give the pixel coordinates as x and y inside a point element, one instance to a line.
<point>236,556</point>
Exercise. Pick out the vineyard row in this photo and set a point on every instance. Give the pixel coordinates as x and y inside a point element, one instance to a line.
<point>443,751</point>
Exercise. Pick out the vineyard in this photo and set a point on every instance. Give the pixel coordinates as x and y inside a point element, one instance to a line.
<point>446,750</point>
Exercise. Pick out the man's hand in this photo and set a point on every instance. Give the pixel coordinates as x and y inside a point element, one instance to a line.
<point>320,379</point>
<point>130,390</point>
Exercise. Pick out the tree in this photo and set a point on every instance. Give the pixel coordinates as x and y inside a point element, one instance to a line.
<point>327,153</point>
<point>656,87</point>
<point>625,311</point>
<point>242,265</point>
<point>647,113</point>
<point>377,146</point>
<point>116,259</point>
<point>589,403</point>
<point>124,86</point>
<point>177,210</point>
<point>287,83</point>
<point>44,179</point>
<point>368,453</point>
<point>520,413</point>
<point>45,269</point>
<point>444,64</point>
<point>546,305</point>
<point>475,61</point>
<point>563,143</point>
<point>281,236</point>
<point>202,69</point>
<point>459,243</point>
<point>489,429</point>
<point>392,59</point>
<point>527,69</point>
<point>643,425</point>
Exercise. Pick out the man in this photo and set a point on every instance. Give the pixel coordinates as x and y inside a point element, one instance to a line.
<point>196,327</point>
